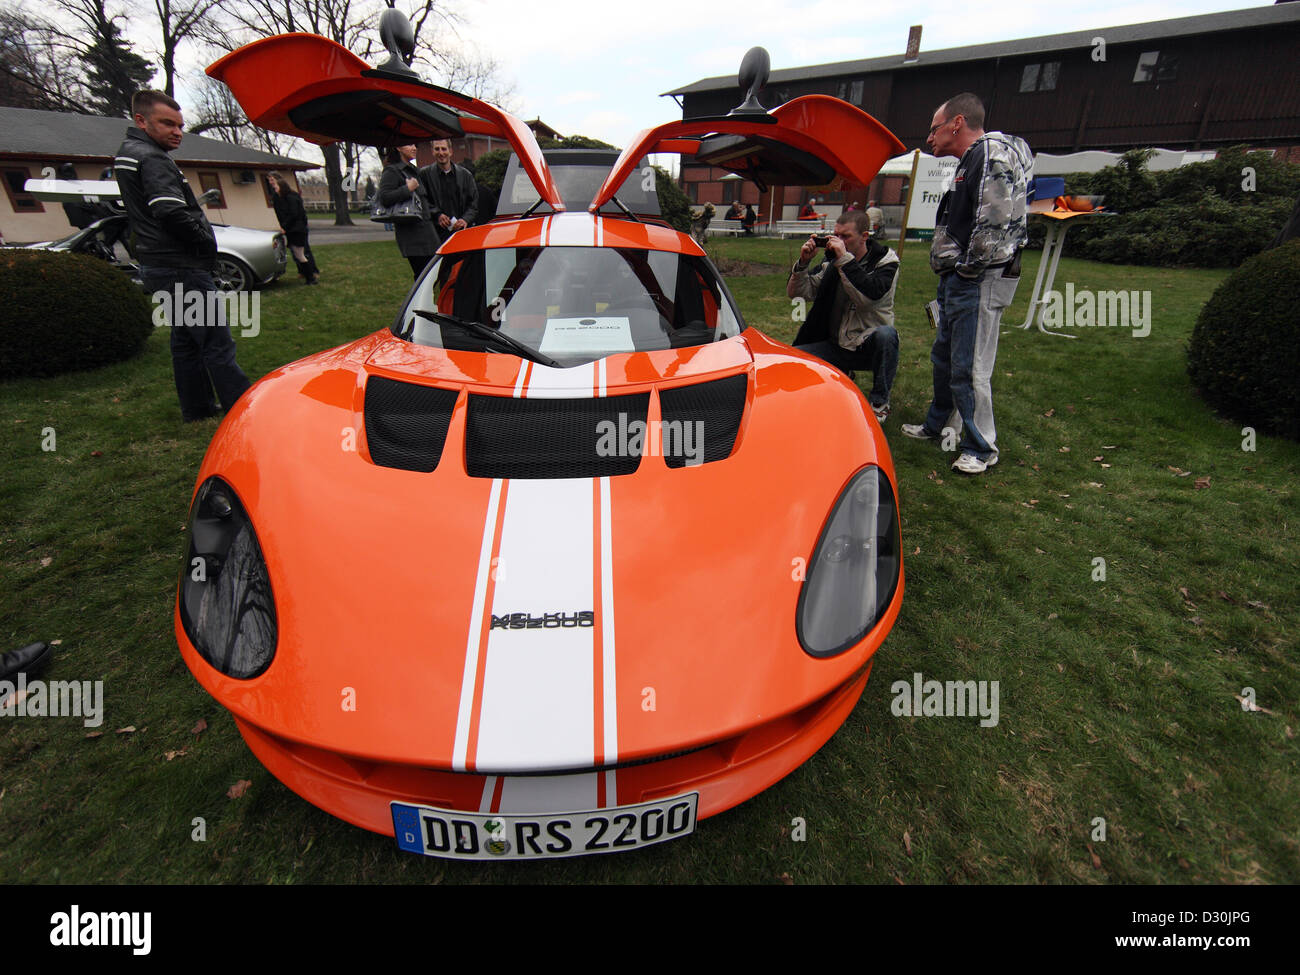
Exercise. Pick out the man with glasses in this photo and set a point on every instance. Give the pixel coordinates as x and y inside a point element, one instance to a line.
<point>979,231</point>
<point>851,322</point>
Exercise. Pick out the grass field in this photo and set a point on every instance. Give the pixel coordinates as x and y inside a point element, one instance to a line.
<point>1118,698</point>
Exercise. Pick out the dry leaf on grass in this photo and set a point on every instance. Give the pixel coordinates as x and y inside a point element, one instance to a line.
<point>128,730</point>
<point>1248,705</point>
<point>199,728</point>
<point>94,734</point>
<point>1065,450</point>
<point>46,561</point>
<point>786,879</point>
<point>238,789</point>
<point>907,842</point>
<point>1096,860</point>
<point>1202,482</point>
<point>176,754</point>
<point>1051,412</point>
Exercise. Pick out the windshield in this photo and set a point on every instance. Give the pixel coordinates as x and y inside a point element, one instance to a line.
<point>570,304</point>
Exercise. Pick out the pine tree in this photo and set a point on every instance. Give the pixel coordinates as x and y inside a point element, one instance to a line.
<point>115,72</point>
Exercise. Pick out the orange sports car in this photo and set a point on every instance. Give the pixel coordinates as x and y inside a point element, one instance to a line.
<point>559,563</point>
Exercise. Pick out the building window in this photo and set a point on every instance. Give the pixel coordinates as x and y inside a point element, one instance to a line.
<point>212,181</point>
<point>15,185</point>
<point>1040,77</point>
<point>1157,67</point>
<point>855,92</point>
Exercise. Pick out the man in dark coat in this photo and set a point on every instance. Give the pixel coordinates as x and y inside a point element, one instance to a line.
<point>177,250</point>
<point>451,190</point>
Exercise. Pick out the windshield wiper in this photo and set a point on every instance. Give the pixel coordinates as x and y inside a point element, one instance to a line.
<point>488,334</point>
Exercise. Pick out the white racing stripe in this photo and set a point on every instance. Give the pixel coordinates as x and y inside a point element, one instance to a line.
<point>470,675</point>
<point>572,230</point>
<point>551,793</point>
<point>539,682</point>
<point>609,683</point>
<point>576,382</point>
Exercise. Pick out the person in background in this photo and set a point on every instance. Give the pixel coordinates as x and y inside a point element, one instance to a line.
<point>737,212</point>
<point>292,216</point>
<point>809,210</point>
<point>877,217</point>
<point>452,191</point>
<point>400,182</point>
<point>748,220</point>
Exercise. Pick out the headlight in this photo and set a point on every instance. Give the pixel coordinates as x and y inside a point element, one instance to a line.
<point>855,567</point>
<point>226,604</point>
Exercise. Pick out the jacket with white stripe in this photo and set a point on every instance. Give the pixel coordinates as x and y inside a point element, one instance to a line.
<point>169,225</point>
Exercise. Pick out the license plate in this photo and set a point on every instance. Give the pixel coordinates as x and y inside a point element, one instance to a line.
<point>461,835</point>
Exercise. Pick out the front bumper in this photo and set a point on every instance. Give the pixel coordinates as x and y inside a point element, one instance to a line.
<point>724,774</point>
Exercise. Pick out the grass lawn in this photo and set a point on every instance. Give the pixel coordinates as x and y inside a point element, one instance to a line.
<point>1118,698</point>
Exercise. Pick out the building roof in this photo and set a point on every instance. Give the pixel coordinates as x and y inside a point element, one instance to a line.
<point>1282,13</point>
<point>27,132</point>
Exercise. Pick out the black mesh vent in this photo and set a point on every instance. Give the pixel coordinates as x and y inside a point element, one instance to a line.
<point>719,405</point>
<point>545,438</point>
<point>406,424</point>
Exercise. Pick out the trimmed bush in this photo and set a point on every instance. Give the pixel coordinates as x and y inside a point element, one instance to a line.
<point>1244,355</point>
<point>1208,214</point>
<point>63,312</point>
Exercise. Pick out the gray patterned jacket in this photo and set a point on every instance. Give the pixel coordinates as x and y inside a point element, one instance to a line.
<point>981,219</point>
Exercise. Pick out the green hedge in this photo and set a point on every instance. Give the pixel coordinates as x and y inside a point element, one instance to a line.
<point>1199,215</point>
<point>64,312</point>
<point>1244,356</point>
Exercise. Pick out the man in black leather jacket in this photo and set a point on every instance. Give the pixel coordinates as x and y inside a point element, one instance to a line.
<point>176,246</point>
<point>452,191</point>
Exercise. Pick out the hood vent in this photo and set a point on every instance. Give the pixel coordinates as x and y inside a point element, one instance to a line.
<point>717,406</point>
<point>549,438</point>
<point>406,424</point>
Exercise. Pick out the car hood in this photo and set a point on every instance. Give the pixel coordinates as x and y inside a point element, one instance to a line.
<point>425,596</point>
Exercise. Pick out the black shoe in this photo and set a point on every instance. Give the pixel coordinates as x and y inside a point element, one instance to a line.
<point>29,660</point>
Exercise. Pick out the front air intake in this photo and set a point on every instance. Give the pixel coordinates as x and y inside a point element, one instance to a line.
<point>714,407</point>
<point>406,424</point>
<point>550,438</point>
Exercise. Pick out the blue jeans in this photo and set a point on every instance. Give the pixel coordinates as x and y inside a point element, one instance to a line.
<point>965,347</point>
<point>203,351</point>
<point>879,353</point>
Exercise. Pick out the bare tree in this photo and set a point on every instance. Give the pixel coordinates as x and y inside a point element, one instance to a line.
<point>178,21</point>
<point>468,69</point>
<point>39,67</point>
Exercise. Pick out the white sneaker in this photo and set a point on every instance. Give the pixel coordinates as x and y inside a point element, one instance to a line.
<point>882,411</point>
<point>916,431</point>
<point>970,464</point>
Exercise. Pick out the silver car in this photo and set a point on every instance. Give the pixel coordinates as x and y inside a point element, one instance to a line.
<point>246,258</point>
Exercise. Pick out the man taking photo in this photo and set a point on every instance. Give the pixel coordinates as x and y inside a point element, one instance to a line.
<point>176,246</point>
<point>452,191</point>
<point>851,322</point>
<point>979,231</point>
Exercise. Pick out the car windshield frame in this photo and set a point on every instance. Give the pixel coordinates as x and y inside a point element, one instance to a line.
<point>570,304</point>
